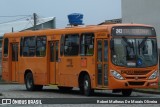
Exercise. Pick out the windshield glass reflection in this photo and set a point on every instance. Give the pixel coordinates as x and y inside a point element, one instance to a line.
<point>134,52</point>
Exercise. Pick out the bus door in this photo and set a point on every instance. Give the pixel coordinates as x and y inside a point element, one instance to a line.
<point>53,61</point>
<point>102,62</point>
<point>14,62</point>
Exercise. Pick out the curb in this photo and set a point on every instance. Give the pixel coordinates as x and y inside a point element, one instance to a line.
<point>147,91</point>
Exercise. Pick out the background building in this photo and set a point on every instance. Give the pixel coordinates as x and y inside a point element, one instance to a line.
<point>113,21</point>
<point>43,23</point>
<point>142,11</point>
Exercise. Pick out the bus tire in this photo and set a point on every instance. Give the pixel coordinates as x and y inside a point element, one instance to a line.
<point>126,92</point>
<point>29,82</point>
<point>65,89</point>
<point>87,86</point>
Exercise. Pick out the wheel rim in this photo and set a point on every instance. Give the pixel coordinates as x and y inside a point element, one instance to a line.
<point>86,85</point>
<point>29,82</point>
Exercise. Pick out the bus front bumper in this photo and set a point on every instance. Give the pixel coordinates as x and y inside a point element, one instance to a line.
<point>132,84</point>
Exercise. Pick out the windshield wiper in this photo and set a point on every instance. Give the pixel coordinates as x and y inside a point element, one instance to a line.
<point>128,43</point>
<point>141,45</point>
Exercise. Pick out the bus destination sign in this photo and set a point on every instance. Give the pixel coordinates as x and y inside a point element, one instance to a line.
<point>133,31</point>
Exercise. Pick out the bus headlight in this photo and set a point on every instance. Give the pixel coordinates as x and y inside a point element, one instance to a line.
<point>117,75</point>
<point>154,75</point>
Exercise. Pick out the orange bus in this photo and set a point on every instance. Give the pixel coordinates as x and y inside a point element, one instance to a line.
<point>118,57</point>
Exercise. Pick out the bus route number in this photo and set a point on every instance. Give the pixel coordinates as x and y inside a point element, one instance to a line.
<point>118,31</point>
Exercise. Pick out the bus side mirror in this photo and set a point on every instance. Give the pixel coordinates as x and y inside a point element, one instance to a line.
<point>112,44</point>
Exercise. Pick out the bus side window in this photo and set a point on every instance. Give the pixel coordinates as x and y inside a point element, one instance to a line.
<point>71,47</point>
<point>41,46</point>
<point>62,45</point>
<point>5,51</point>
<point>87,44</point>
<point>29,46</point>
<point>21,47</point>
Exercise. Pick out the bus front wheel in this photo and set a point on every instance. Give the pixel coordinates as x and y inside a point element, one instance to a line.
<point>87,86</point>
<point>126,92</point>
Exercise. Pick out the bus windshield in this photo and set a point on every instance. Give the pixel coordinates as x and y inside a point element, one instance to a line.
<point>134,52</point>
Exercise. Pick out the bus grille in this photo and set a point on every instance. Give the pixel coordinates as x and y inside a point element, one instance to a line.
<point>136,83</point>
<point>135,78</point>
<point>135,72</point>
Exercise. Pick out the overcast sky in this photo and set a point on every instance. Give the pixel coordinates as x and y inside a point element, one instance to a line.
<point>95,11</point>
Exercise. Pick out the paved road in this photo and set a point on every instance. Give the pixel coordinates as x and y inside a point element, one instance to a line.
<point>19,91</point>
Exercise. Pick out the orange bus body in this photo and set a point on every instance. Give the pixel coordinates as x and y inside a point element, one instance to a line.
<point>70,70</point>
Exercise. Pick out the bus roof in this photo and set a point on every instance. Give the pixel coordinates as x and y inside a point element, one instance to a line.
<point>68,30</point>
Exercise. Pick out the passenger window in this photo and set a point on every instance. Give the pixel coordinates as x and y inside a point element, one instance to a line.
<point>62,45</point>
<point>71,46</point>
<point>0,41</point>
<point>29,46</point>
<point>52,51</point>
<point>21,47</point>
<point>5,51</point>
<point>87,44</point>
<point>14,52</point>
<point>57,49</point>
<point>41,46</point>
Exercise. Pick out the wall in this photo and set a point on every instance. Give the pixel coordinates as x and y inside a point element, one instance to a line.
<point>142,11</point>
